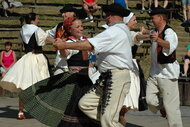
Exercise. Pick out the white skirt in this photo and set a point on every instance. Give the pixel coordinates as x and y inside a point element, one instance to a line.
<point>132,98</point>
<point>28,70</point>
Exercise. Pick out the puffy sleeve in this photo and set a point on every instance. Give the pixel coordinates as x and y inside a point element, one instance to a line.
<point>52,32</point>
<point>41,36</point>
<point>172,38</point>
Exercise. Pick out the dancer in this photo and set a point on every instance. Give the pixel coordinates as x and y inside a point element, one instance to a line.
<point>78,63</point>
<point>71,85</point>
<point>132,98</point>
<point>104,101</point>
<point>33,66</point>
<point>60,63</point>
<point>162,91</point>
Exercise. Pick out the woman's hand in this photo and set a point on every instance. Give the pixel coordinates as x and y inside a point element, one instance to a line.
<point>144,31</point>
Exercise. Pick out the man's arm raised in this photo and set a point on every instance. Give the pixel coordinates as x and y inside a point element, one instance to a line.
<point>81,45</point>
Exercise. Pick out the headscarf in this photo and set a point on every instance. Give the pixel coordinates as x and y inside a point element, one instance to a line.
<point>127,19</point>
<point>67,25</point>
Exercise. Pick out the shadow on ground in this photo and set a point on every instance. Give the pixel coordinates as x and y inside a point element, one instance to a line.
<point>7,112</point>
<point>132,125</point>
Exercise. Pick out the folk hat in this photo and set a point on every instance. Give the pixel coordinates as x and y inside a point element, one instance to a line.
<point>67,8</point>
<point>116,9</point>
<point>159,10</point>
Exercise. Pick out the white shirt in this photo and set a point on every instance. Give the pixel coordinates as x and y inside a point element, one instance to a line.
<point>60,61</point>
<point>52,32</point>
<point>27,31</point>
<point>41,36</point>
<point>170,70</point>
<point>113,47</point>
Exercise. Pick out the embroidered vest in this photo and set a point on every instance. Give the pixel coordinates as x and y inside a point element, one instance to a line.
<point>161,58</point>
<point>59,30</point>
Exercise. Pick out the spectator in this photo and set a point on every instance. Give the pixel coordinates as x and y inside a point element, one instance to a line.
<point>9,4</point>
<point>186,13</point>
<point>156,4</point>
<point>8,58</point>
<point>90,6</point>
<point>143,6</point>
<point>186,62</point>
<point>123,3</point>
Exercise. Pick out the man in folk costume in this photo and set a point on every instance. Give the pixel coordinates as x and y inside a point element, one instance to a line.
<point>104,101</point>
<point>57,32</point>
<point>66,11</point>
<point>162,91</point>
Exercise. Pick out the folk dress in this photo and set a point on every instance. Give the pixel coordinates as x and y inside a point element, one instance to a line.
<point>33,66</point>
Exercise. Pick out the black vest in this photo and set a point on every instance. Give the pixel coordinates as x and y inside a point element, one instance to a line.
<point>77,60</point>
<point>32,45</point>
<point>161,58</point>
<point>57,28</point>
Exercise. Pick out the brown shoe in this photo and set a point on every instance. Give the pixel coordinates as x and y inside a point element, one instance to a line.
<point>163,113</point>
<point>122,119</point>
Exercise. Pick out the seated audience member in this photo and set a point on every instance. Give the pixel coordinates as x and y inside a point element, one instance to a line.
<point>123,3</point>
<point>90,6</point>
<point>8,58</point>
<point>186,62</point>
<point>156,4</point>
<point>143,6</point>
<point>186,13</point>
<point>9,4</point>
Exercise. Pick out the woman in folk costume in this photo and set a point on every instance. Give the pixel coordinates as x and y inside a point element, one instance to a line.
<point>33,66</point>
<point>78,62</point>
<point>54,101</point>
<point>60,63</point>
<point>132,99</point>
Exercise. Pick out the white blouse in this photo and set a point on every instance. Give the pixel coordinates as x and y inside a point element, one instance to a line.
<point>170,70</point>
